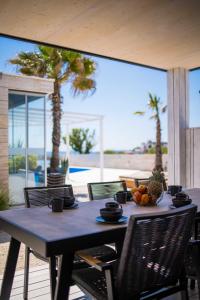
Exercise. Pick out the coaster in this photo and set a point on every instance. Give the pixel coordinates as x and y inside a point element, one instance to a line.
<point>123,219</point>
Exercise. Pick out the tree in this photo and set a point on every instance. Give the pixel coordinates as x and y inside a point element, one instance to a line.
<point>81,140</point>
<point>63,66</point>
<point>155,105</point>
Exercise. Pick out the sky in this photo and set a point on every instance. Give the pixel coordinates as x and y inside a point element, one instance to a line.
<point>122,88</point>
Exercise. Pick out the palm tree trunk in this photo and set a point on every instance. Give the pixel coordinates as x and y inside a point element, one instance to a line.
<point>158,158</point>
<point>56,133</point>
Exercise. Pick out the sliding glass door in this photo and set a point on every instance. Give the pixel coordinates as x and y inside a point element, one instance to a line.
<point>26,143</point>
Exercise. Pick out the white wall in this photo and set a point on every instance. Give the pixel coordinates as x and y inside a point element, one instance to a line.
<point>143,162</point>
<point>193,157</point>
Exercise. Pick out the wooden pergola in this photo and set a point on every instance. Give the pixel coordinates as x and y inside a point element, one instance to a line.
<point>157,34</point>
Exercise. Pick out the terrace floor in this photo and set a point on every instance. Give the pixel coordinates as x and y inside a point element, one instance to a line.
<point>39,287</point>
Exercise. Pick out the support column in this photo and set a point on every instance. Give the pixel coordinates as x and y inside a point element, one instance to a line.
<point>178,119</point>
<point>3,133</point>
<point>101,149</point>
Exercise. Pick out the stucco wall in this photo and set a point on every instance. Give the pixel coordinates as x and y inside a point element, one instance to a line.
<point>143,162</point>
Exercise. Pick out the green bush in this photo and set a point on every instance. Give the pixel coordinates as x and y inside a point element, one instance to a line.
<point>4,198</point>
<point>109,152</point>
<point>19,162</point>
<point>152,150</point>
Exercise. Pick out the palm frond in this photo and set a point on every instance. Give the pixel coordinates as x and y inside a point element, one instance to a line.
<point>89,66</point>
<point>139,113</point>
<point>70,56</point>
<point>83,85</point>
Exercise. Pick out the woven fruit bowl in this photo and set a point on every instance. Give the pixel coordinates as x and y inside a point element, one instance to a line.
<point>146,196</point>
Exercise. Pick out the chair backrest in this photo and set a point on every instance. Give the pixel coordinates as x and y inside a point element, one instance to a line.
<point>139,181</point>
<point>153,251</point>
<point>103,190</point>
<point>40,196</point>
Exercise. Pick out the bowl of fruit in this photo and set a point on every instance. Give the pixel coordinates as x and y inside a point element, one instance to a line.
<point>148,195</point>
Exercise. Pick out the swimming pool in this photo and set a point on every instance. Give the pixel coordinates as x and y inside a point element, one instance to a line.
<point>74,170</point>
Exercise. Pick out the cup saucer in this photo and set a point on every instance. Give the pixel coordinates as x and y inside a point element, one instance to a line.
<point>123,219</point>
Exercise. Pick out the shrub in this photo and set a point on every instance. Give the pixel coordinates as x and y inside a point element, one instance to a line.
<point>4,198</point>
<point>152,150</point>
<point>19,162</point>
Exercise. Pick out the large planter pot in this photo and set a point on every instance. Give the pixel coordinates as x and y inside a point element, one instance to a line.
<point>55,179</point>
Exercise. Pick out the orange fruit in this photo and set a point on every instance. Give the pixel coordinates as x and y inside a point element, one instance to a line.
<point>137,197</point>
<point>142,189</point>
<point>145,199</point>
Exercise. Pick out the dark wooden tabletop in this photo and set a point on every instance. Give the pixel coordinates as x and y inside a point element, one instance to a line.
<point>49,233</point>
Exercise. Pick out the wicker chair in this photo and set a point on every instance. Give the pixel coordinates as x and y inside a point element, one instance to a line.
<point>154,246</point>
<point>103,190</point>
<point>40,196</point>
<point>192,263</point>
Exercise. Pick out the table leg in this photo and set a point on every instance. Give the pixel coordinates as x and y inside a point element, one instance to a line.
<point>65,267</point>
<point>9,272</point>
<point>53,275</point>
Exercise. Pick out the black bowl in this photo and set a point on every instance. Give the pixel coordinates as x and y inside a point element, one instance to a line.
<point>181,195</point>
<point>68,201</point>
<point>112,205</point>
<point>178,202</point>
<point>111,215</point>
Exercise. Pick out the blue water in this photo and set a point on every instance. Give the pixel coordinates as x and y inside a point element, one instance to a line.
<point>74,170</point>
<point>39,176</point>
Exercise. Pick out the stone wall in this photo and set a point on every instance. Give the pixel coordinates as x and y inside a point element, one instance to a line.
<point>143,162</point>
<point>3,136</point>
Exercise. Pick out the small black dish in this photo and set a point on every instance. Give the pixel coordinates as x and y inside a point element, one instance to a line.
<point>178,202</point>
<point>110,214</point>
<point>73,206</point>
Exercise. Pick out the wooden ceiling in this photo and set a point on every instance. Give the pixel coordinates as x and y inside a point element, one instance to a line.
<point>159,33</point>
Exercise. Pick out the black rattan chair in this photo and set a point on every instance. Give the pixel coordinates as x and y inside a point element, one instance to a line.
<point>151,265</point>
<point>192,262</point>
<point>40,196</point>
<point>103,190</point>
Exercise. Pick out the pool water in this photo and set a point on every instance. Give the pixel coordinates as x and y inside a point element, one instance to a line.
<point>74,170</point>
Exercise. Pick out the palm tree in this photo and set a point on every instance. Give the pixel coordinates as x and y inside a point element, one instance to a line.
<point>62,66</point>
<point>155,105</point>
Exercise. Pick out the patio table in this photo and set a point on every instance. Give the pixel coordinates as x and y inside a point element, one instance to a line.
<point>53,234</point>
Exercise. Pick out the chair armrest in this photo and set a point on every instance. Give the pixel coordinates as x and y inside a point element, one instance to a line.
<point>94,262</point>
